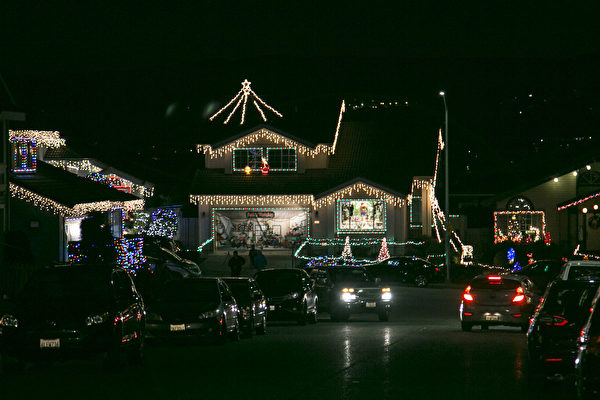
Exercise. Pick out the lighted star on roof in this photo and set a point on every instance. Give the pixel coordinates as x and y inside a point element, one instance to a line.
<point>242,98</point>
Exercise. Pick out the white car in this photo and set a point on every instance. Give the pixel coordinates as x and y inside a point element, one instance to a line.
<point>580,270</point>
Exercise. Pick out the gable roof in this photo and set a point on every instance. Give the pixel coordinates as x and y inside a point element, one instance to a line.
<point>64,193</point>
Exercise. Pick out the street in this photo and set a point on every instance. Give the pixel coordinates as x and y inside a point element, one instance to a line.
<point>421,353</point>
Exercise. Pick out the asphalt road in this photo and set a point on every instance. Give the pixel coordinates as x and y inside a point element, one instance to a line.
<point>421,353</point>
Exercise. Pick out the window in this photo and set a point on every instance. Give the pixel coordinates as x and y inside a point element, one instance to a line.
<point>416,217</point>
<point>282,159</point>
<point>251,157</point>
<point>519,226</point>
<point>519,204</point>
<point>24,155</point>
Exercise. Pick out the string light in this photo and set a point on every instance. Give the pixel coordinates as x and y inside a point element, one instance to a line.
<point>79,165</point>
<point>583,200</point>
<point>50,139</point>
<point>78,210</point>
<point>164,223</point>
<point>24,155</point>
<point>513,230</point>
<point>381,230</point>
<point>363,188</point>
<point>251,200</point>
<point>242,97</point>
<point>264,134</point>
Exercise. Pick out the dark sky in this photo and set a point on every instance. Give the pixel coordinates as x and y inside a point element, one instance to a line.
<point>104,73</point>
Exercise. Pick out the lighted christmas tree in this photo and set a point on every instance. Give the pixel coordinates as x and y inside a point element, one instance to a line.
<point>384,253</point>
<point>347,253</point>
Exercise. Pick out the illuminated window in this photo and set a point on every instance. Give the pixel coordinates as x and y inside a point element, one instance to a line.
<point>519,226</point>
<point>519,204</point>
<point>24,155</point>
<point>361,216</point>
<point>282,159</point>
<point>250,157</point>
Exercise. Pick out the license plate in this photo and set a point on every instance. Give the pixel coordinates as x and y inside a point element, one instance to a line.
<point>371,305</point>
<point>49,343</point>
<point>492,318</point>
<point>271,308</point>
<point>179,327</point>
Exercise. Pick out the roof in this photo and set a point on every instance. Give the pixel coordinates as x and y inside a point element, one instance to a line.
<point>66,188</point>
<point>382,149</point>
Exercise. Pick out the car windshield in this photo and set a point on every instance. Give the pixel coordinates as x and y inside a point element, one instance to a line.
<point>278,283</point>
<point>349,276</point>
<point>191,290</point>
<point>68,284</point>
<point>584,273</point>
<point>570,300</point>
<point>240,289</point>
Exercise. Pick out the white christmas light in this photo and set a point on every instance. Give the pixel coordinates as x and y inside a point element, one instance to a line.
<point>47,138</point>
<point>251,200</point>
<point>242,98</point>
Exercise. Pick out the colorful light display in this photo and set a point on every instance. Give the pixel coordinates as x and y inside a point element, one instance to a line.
<point>519,226</point>
<point>24,155</point>
<point>361,216</point>
<point>384,252</point>
<point>130,253</point>
<point>583,200</point>
<point>163,223</point>
<point>359,188</point>
<point>50,139</point>
<point>252,200</point>
<point>347,252</point>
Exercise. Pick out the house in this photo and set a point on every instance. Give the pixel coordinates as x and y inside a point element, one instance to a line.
<point>562,208</point>
<point>47,203</point>
<point>273,177</point>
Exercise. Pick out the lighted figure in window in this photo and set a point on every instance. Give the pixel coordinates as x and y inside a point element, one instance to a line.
<point>264,169</point>
<point>247,170</point>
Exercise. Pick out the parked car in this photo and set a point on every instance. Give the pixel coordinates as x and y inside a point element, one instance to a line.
<point>582,270</point>
<point>74,311</point>
<point>195,307</point>
<point>162,258</point>
<point>410,270</point>
<point>555,326</point>
<point>587,362</point>
<point>498,300</point>
<point>344,291</point>
<point>541,272</point>
<point>251,304</point>
<point>290,294</point>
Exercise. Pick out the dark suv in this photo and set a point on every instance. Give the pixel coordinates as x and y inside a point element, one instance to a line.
<point>411,270</point>
<point>74,311</point>
<point>349,290</point>
<point>289,293</point>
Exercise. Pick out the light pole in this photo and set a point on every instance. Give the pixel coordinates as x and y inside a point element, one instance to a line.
<point>447,190</point>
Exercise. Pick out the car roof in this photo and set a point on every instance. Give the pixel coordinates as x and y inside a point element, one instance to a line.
<point>589,263</point>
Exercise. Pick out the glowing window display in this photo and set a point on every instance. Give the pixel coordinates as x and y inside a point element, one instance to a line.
<point>361,216</point>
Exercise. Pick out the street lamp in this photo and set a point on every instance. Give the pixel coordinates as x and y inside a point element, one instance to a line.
<point>447,190</point>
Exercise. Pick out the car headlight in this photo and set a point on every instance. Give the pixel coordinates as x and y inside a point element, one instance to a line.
<point>208,314</point>
<point>346,296</point>
<point>9,321</point>
<point>386,296</point>
<point>292,296</point>
<point>96,319</point>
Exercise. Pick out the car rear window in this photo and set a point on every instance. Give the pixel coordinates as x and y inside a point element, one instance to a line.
<point>278,283</point>
<point>349,276</point>
<point>239,288</point>
<point>569,300</point>
<point>501,284</point>
<point>584,273</point>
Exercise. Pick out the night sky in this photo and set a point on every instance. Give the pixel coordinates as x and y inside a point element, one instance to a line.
<point>128,77</point>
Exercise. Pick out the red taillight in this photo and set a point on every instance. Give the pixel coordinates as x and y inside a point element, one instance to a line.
<point>467,314</point>
<point>518,298</point>
<point>553,359</point>
<point>556,320</point>
<point>467,294</point>
<point>494,280</point>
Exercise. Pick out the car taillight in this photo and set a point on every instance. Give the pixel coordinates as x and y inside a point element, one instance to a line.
<point>494,280</point>
<point>519,297</point>
<point>554,320</point>
<point>467,296</point>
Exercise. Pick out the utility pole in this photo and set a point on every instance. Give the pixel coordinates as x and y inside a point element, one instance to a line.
<point>446,189</point>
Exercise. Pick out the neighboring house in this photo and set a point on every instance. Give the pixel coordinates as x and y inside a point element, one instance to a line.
<point>47,203</point>
<point>273,177</point>
<point>563,209</point>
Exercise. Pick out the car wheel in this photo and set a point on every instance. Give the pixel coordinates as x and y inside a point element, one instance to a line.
<point>466,326</point>
<point>303,317</point>
<point>262,329</point>
<point>235,334</point>
<point>421,281</point>
<point>384,315</point>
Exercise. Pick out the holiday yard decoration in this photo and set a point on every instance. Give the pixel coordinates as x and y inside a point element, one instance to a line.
<point>347,253</point>
<point>384,252</point>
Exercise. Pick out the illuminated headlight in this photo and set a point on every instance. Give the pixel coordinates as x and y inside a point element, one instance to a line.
<point>292,296</point>
<point>386,296</point>
<point>96,319</point>
<point>346,296</point>
<point>208,314</point>
<point>9,320</point>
